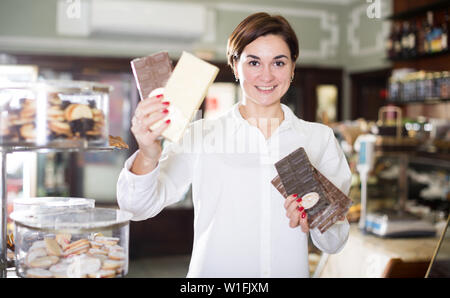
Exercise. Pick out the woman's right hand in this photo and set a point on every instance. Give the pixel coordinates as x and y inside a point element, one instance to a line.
<point>148,112</point>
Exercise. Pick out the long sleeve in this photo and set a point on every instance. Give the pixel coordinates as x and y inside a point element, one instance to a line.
<point>147,195</point>
<point>335,167</point>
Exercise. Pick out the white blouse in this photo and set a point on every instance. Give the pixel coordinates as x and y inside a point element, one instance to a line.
<point>240,224</point>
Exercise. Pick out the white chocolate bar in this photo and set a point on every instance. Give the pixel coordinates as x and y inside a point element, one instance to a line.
<point>185,90</point>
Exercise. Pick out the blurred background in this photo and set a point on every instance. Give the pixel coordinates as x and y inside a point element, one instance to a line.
<point>376,71</point>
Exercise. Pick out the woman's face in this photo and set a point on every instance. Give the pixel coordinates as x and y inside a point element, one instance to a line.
<point>265,70</point>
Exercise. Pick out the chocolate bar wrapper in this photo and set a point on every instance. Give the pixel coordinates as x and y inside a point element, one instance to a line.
<point>301,177</point>
<point>296,174</point>
<point>151,72</point>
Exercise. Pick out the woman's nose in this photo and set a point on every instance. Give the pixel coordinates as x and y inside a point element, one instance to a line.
<point>267,74</point>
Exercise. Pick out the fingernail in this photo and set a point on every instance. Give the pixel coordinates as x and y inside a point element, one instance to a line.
<point>168,121</point>
<point>295,195</point>
<point>165,111</point>
<point>301,208</point>
<point>303,214</point>
<point>159,95</point>
<point>166,103</point>
<point>299,199</point>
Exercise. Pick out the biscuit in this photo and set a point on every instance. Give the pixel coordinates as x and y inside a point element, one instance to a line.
<point>68,110</point>
<point>28,132</point>
<point>37,244</point>
<point>107,240</point>
<point>43,262</point>
<point>82,266</point>
<point>76,244</point>
<point>59,270</point>
<point>79,111</point>
<point>35,253</point>
<point>95,244</point>
<point>97,251</point>
<point>112,264</point>
<point>38,273</point>
<point>63,240</point>
<point>76,250</point>
<point>103,274</point>
<point>117,142</point>
<point>61,128</point>
<point>116,255</point>
<point>53,248</point>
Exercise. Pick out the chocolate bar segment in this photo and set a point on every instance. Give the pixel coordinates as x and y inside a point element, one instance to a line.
<point>151,72</point>
<point>297,175</point>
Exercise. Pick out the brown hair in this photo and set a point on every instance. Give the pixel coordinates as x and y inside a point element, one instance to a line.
<point>257,25</point>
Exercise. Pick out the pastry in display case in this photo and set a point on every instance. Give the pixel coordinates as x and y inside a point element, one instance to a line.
<point>59,114</point>
<point>77,243</point>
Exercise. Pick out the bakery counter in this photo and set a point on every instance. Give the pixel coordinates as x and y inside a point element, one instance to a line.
<point>367,255</point>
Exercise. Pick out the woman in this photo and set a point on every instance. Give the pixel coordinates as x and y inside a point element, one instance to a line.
<point>242,226</point>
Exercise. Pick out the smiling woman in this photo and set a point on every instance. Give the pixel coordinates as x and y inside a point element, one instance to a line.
<point>262,51</point>
<point>242,224</point>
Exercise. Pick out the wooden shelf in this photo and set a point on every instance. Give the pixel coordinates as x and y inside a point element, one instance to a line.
<point>421,56</point>
<point>426,101</point>
<point>419,10</point>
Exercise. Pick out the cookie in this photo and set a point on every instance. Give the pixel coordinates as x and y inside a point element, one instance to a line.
<point>38,273</point>
<point>43,262</point>
<point>77,250</point>
<point>53,248</point>
<point>78,111</point>
<point>63,240</point>
<point>107,240</point>
<point>112,264</point>
<point>103,274</point>
<point>60,128</point>
<point>116,255</point>
<point>82,266</point>
<point>28,132</point>
<point>77,247</point>
<point>59,270</point>
<point>97,251</point>
<point>34,254</point>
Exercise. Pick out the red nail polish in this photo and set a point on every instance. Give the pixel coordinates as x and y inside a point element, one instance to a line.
<point>295,195</point>
<point>166,103</point>
<point>165,111</point>
<point>168,121</point>
<point>301,208</point>
<point>159,95</point>
<point>303,214</point>
<point>299,200</point>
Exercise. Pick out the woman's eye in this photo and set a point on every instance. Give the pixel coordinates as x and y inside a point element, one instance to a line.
<point>279,63</point>
<point>254,63</point>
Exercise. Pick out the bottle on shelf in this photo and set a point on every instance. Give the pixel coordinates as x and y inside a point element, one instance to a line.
<point>436,85</point>
<point>428,83</point>
<point>444,38</point>
<point>412,39</point>
<point>420,86</point>
<point>421,37</point>
<point>405,40</point>
<point>397,40</point>
<point>435,35</point>
<point>390,43</point>
<point>445,85</point>
<point>427,32</point>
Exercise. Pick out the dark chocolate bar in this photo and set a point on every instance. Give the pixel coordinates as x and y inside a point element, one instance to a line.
<point>151,72</point>
<point>297,175</point>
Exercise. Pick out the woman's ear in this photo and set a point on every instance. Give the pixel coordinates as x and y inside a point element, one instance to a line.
<point>236,75</point>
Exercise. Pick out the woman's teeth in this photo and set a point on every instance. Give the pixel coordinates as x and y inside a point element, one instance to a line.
<point>265,88</point>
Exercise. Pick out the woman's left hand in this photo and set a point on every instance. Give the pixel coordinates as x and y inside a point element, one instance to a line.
<point>296,213</point>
